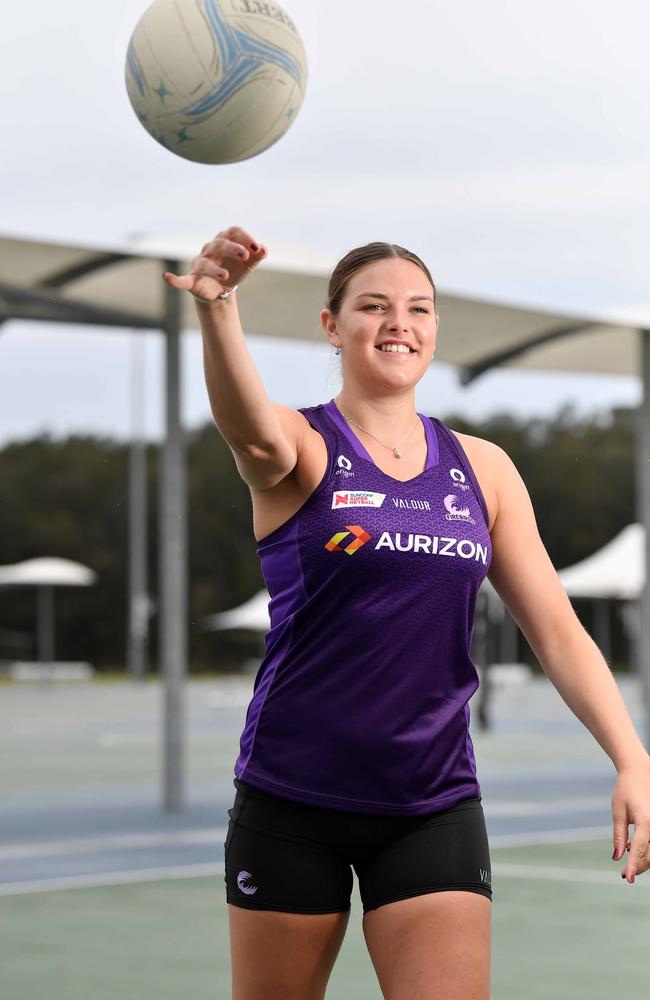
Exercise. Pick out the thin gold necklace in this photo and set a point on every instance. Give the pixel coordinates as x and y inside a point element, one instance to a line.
<point>393,447</point>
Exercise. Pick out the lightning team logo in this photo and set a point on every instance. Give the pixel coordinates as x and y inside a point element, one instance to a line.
<point>361,536</point>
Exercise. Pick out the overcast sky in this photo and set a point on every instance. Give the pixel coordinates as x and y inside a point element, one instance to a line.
<point>506,143</point>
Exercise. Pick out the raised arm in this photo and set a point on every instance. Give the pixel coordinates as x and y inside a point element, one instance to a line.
<point>265,438</point>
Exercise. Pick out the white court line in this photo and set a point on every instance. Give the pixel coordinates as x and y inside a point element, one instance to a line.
<point>541,872</point>
<point>506,807</point>
<point>554,874</point>
<point>551,836</point>
<point>110,878</point>
<point>91,845</point>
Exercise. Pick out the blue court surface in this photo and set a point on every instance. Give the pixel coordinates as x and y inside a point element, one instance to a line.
<point>102,895</point>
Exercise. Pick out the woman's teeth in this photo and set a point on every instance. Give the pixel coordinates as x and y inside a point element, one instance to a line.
<point>396,348</point>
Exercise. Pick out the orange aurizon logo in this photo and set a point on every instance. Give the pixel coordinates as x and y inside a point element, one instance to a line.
<point>361,537</point>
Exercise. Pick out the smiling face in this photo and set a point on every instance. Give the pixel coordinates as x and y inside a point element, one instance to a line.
<point>386,327</point>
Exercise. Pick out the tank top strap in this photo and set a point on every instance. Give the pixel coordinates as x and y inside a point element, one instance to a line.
<point>317,418</point>
<point>320,418</point>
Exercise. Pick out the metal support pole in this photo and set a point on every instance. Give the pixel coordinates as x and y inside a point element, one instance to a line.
<point>138,610</point>
<point>601,628</point>
<point>45,618</point>
<point>173,562</point>
<point>643,516</point>
<point>509,639</point>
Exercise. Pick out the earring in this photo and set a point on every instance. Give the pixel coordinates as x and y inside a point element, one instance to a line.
<point>338,350</point>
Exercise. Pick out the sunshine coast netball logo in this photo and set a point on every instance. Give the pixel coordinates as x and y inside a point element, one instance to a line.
<point>455,513</point>
<point>458,477</point>
<point>246,884</point>
<point>359,537</point>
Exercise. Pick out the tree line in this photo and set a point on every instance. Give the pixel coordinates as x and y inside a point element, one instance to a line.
<point>68,498</point>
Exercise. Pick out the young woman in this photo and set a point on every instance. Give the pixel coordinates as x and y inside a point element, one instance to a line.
<point>376,526</point>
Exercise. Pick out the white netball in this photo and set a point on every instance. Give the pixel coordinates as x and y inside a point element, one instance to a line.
<point>216,81</point>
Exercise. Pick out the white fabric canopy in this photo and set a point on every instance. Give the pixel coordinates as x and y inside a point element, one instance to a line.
<point>47,572</point>
<point>616,570</point>
<point>252,614</point>
<point>123,286</point>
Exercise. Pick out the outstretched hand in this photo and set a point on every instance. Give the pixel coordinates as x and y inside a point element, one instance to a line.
<point>224,262</point>
<point>631,804</point>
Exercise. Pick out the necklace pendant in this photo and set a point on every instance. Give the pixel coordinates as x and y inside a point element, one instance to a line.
<point>397,453</point>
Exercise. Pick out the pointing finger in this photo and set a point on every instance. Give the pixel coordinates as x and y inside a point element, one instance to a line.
<point>183,282</point>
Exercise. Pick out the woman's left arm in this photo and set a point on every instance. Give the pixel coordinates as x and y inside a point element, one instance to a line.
<point>526,580</point>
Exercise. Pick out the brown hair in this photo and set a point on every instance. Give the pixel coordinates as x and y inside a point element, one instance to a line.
<point>357,259</point>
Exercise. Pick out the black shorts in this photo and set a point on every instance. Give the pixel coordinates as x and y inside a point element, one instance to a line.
<point>298,858</point>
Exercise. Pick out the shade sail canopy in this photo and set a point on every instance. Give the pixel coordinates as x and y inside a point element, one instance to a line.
<point>615,570</point>
<point>252,614</point>
<point>123,286</point>
<point>47,572</point>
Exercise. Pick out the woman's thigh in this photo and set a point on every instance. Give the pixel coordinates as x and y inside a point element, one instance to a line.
<point>288,896</point>
<point>287,955</point>
<point>427,907</point>
<point>433,947</point>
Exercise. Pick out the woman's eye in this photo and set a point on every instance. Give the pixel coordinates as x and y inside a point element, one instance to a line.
<point>373,305</point>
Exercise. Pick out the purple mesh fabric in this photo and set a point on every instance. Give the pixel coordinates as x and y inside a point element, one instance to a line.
<point>361,701</point>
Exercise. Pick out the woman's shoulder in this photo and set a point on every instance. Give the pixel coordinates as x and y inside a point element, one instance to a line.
<point>474,442</point>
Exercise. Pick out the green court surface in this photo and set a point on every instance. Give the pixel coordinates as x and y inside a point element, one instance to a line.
<point>565,925</point>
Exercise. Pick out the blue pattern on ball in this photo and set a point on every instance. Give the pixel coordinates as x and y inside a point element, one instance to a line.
<point>241,55</point>
<point>134,67</point>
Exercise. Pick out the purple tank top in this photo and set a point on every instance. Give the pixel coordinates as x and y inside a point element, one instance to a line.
<point>361,700</point>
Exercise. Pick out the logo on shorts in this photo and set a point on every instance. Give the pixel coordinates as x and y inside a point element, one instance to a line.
<point>357,498</point>
<point>246,884</point>
<point>485,876</point>
<point>361,537</point>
